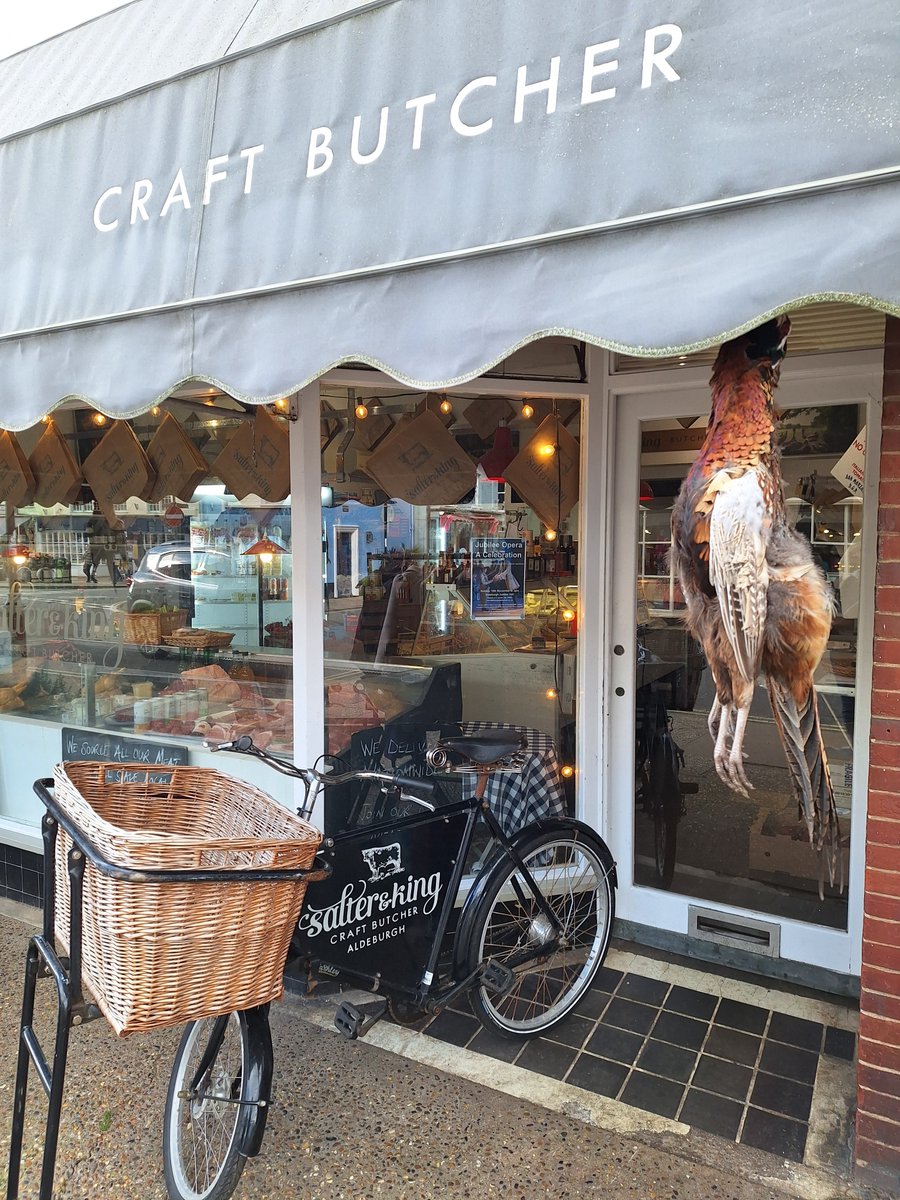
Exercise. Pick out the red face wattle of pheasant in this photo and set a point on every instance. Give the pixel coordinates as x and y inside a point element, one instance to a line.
<point>756,600</point>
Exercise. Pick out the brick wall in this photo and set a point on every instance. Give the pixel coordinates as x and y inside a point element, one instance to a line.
<point>878,1118</point>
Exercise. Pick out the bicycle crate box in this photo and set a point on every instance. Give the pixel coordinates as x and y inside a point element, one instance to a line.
<point>160,954</point>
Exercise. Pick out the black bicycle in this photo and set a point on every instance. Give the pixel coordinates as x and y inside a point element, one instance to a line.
<point>400,915</point>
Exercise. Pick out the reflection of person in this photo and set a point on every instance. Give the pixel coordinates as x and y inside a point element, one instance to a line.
<point>463,569</point>
<point>102,538</point>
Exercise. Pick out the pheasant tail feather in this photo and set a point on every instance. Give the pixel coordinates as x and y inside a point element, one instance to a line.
<point>801,736</point>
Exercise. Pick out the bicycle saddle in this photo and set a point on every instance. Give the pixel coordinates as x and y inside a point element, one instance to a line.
<point>485,748</point>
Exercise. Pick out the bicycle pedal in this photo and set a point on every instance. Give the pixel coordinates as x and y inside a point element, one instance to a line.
<point>354,1021</point>
<point>497,978</point>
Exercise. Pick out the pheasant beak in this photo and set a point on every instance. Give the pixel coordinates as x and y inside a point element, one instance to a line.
<point>769,341</point>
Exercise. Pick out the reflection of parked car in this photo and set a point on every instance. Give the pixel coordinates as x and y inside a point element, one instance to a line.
<point>164,576</point>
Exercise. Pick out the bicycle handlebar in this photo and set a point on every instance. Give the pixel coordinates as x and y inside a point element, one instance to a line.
<point>244,745</point>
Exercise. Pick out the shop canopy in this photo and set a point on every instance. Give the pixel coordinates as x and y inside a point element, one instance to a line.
<point>251,193</point>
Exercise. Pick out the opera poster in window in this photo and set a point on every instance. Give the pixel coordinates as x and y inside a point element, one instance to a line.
<point>498,578</point>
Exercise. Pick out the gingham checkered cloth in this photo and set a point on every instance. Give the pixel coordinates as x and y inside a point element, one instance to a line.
<point>518,797</point>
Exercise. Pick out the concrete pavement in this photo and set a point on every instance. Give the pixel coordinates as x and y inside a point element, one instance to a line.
<point>356,1121</point>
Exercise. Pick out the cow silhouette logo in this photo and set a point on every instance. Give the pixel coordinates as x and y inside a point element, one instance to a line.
<point>382,861</point>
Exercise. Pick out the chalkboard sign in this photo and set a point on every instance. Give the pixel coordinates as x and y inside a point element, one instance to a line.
<point>79,745</point>
<point>399,749</point>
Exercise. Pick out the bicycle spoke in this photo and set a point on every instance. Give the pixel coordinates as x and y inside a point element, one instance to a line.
<point>553,943</point>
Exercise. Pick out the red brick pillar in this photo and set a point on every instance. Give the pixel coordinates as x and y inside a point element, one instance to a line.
<point>878,1118</point>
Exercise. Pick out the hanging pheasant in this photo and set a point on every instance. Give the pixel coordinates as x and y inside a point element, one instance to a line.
<point>756,600</point>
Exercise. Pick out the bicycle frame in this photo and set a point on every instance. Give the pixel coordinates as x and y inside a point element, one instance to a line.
<point>381,916</point>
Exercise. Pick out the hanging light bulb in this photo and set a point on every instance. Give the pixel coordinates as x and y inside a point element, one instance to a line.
<point>567,772</point>
<point>155,410</point>
<point>568,614</point>
<point>549,535</point>
<point>281,405</point>
<point>361,411</point>
<point>546,450</point>
<point>446,407</point>
<point>265,550</point>
<point>527,411</point>
<point>99,418</point>
<point>551,693</point>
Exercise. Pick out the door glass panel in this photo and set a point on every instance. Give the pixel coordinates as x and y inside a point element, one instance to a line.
<point>692,834</point>
<point>451,615</point>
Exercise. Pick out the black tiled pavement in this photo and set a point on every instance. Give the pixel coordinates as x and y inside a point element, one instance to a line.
<point>732,1069</point>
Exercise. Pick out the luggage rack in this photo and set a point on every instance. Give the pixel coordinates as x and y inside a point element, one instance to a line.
<point>73,1009</point>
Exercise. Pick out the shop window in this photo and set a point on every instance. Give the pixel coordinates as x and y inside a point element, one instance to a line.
<point>157,614</point>
<point>459,610</point>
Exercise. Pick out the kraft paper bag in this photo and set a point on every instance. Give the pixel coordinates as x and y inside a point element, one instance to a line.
<point>257,459</point>
<point>421,462</point>
<point>17,482</point>
<point>178,464</point>
<point>547,483</point>
<point>57,475</point>
<point>370,431</point>
<point>118,468</point>
<point>485,413</point>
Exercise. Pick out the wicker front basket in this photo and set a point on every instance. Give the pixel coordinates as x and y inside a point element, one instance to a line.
<point>160,954</point>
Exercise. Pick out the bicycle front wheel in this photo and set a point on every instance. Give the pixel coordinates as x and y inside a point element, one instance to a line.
<point>204,1120</point>
<point>553,963</point>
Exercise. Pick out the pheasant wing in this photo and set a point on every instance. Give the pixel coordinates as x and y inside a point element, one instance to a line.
<point>739,527</point>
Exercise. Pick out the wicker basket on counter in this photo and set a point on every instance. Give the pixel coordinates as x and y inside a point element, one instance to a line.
<point>160,954</point>
<point>149,628</point>
<point>199,639</point>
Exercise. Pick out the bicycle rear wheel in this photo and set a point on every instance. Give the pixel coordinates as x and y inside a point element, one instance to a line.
<point>204,1126</point>
<point>574,872</point>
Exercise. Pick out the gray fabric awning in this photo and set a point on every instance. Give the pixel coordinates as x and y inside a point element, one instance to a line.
<point>426,186</point>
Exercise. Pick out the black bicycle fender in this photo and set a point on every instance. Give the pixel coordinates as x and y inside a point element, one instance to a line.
<point>499,861</point>
<point>259,1040</point>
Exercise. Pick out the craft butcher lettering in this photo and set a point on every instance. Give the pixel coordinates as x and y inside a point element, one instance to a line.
<point>423,482</point>
<point>471,111</point>
<point>121,482</point>
<point>361,918</point>
<point>246,463</point>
